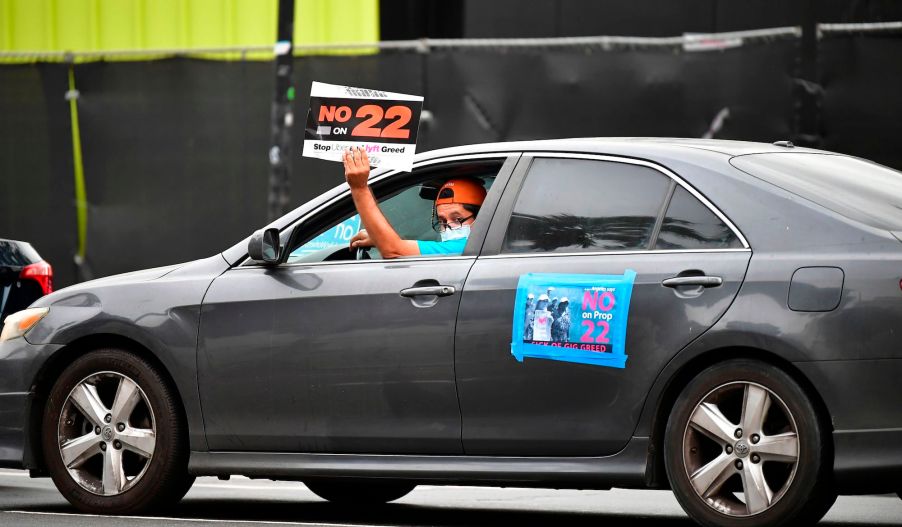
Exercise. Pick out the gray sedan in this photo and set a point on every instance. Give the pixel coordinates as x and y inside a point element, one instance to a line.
<point>713,317</point>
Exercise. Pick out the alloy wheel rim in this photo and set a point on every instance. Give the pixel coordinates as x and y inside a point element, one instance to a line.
<point>106,433</point>
<point>741,449</point>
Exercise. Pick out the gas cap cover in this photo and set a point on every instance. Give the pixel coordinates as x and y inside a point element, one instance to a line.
<point>816,288</point>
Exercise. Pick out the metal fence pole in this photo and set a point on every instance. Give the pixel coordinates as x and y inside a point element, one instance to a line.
<point>282,117</point>
<point>808,89</point>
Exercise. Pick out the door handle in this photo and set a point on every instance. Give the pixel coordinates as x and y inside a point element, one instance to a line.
<point>430,290</point>
<point>704,281</point>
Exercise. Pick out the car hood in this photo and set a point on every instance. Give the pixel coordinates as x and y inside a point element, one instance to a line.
<point>144,275</point>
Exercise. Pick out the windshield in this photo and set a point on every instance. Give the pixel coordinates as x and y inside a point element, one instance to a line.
<point>857,189</point>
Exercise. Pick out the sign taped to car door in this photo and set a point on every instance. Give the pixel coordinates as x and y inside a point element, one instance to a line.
<point>385,124</point>
<point>572,317</point>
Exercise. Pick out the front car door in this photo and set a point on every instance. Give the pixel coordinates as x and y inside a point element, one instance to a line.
<point>586,215</point>
<point>322,353</point>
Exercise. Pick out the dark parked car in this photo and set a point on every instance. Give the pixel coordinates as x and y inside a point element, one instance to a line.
<point>24,276</point>
<point>713,317</point>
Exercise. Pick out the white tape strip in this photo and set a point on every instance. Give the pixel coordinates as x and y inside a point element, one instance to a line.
<point>425,45</point>
<point>867,27</point>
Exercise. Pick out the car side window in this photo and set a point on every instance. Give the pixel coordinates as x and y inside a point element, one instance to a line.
<point>689,224</point>
<point>578,205</point>
<point>409,210</point>
<point>333,238</point>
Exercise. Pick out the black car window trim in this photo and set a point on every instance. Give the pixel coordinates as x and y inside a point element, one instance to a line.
<point>494,240</point>
<point>659,222</point>
<point>507,159</point>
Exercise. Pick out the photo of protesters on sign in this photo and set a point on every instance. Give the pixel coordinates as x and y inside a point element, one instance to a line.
<point>383,123</point>
<point>572,317</point>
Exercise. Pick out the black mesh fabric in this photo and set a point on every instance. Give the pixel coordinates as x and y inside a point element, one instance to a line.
<point>176,150</point>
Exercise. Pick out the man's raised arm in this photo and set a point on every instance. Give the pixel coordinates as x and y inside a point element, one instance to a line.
<point>379,230</point>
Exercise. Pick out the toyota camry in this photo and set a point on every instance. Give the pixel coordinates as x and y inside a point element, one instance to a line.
<point>713,317</point>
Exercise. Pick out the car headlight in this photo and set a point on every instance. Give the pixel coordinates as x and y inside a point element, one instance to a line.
<point>20,322</point>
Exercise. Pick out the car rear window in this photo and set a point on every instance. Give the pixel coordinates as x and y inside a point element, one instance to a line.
<point>857,189</point>
<point>17,254</point>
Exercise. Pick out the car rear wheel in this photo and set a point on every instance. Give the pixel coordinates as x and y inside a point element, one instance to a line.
<point>744,447</point>
<point>359,491</point>
<point>112,436</point>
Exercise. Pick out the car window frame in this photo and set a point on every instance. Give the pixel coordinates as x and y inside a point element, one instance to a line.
<point>396,179</point>
<point>494,242</point>
<point>659,225</point>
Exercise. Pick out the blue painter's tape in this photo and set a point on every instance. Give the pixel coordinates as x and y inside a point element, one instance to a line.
<point>578,318</point>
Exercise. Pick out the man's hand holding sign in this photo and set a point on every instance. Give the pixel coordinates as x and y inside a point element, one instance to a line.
<point>456,206</point>
<point>346,116</point>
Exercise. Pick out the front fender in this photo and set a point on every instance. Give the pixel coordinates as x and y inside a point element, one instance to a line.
<point>160,315</point>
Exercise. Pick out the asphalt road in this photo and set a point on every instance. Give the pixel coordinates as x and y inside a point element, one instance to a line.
<point>243,502</point>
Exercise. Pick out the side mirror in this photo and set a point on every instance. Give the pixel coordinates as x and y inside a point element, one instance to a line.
<point>264,246</point>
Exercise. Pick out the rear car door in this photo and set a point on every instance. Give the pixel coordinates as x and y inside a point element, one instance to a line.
<point>595,215</point>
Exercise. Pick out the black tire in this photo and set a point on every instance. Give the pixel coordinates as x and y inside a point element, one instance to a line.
<point>186,483</point>
<point>801,490</point>
<point>359,491</point>
<point>158,480</point>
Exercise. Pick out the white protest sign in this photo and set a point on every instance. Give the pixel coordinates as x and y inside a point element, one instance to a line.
<point>385,124</point>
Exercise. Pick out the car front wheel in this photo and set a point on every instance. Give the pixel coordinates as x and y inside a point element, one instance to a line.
<point>359,491</point>
<point>112,436</point>
<point>744,447</point>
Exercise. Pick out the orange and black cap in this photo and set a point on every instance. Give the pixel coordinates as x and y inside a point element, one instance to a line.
<point>463,191</point>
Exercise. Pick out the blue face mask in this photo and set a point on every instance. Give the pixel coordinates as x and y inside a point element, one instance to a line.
<point>456,234</point>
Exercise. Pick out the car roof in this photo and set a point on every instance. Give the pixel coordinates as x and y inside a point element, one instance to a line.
<point>628,146</point>
<point>656,149</point>
<point>14,242</point>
